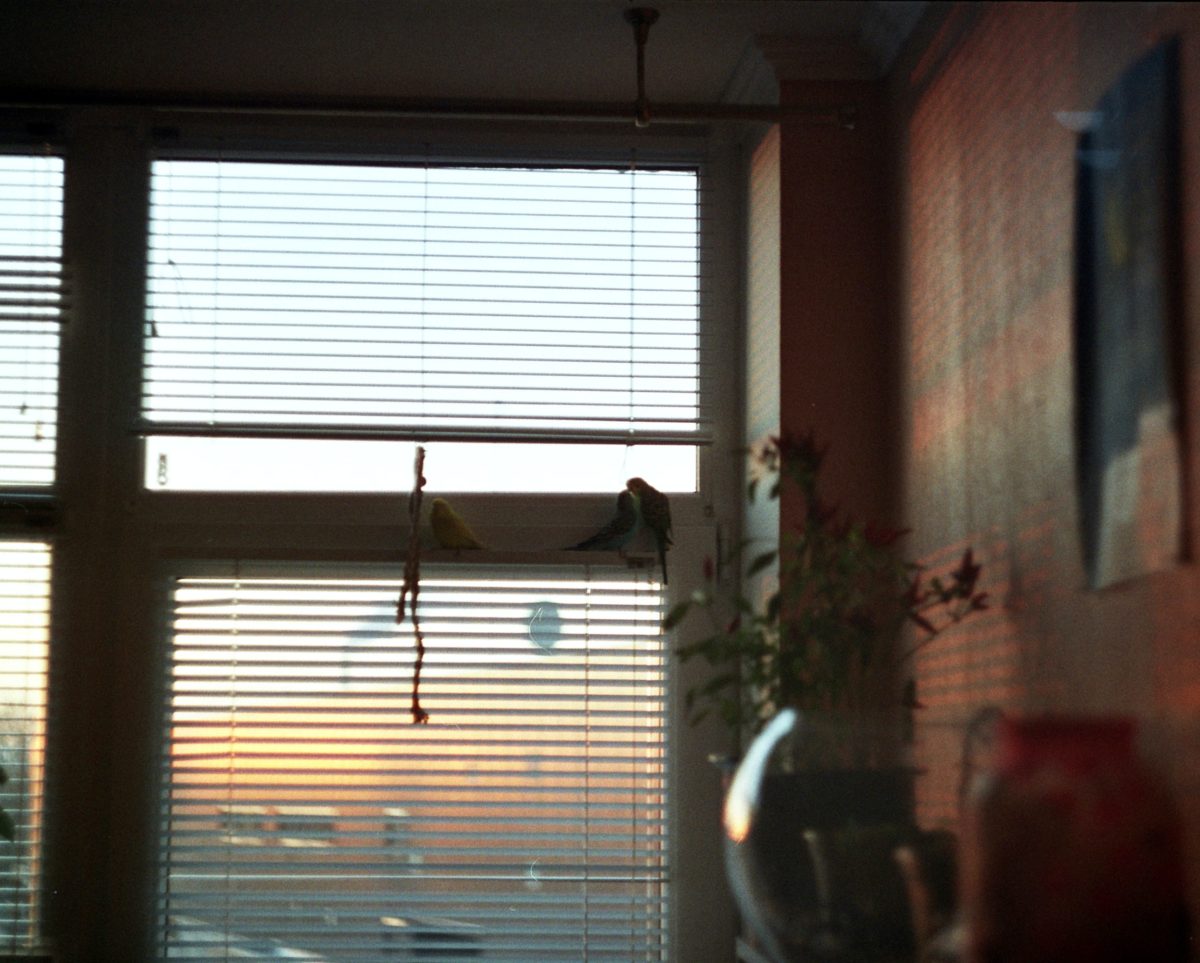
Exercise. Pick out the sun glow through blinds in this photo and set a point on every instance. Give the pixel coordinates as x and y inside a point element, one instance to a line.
<point>31,303</point>
<point>24,643</point>
<point>423,303</point>
<point>306,814</point>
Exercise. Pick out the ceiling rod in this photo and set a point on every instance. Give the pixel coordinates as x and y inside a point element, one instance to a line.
<point>641,18</point>
<point>839,115</point>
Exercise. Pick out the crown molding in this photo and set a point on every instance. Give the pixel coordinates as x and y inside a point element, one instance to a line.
<point>803,58</point>
<point>753,80</point>
<point>886,26</point>
<point>867,55</point>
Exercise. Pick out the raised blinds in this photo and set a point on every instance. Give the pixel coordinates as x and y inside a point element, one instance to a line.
<point>24,642</point>
<point>31,303</point>
<point>339,301</point>
<point>306,814</point>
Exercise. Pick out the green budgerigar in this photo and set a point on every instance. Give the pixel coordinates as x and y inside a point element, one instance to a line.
<point>620,531</point>
<point>655,509</point>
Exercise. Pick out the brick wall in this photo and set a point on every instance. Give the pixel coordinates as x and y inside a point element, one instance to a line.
<point>987,382</point>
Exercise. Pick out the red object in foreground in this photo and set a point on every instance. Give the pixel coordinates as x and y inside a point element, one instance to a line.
<point>1072,850</point>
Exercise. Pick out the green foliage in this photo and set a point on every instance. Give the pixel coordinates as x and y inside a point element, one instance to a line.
<point>828,638</point>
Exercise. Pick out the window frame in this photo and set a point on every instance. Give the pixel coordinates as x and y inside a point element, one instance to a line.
<point>107,657</point>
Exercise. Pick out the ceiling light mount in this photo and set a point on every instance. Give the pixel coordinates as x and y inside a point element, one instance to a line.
<point>641,18</point>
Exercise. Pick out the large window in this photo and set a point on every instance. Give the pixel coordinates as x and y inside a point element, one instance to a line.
<point>265,322</point>
<point>305,320</point>
<point>536,329</point>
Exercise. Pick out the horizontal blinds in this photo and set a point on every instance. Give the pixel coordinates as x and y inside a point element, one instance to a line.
<point>24,641</point>
<point>31,304</point>
<point>423,302</point>
<point>306,814</point>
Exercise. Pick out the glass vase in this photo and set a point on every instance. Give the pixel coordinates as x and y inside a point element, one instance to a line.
<point>810,849</point>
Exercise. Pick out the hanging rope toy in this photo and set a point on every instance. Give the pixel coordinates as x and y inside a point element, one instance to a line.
<point>411,587</point>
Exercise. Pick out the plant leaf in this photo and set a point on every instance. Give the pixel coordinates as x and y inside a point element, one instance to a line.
<point>923,622</point>
<point>8,829</point>
<point>774,604</point>
<point>761,562</point>
<point>676,615</point>
<point>718,682</point>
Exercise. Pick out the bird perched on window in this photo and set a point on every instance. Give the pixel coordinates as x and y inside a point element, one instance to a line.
<point>656,515</point>
<point>619,531</point>
<point>449,528</point>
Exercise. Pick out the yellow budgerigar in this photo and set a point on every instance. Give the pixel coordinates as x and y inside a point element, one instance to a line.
<point>449,528</point>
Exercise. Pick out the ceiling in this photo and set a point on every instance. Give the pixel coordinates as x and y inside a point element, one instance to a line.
<point>579,50</point>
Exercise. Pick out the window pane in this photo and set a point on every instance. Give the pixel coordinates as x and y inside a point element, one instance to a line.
<point>31,283</point>
<point>326,465</point>
<point>423,303</point>
<point>24,641</point>
<point>307,814</point>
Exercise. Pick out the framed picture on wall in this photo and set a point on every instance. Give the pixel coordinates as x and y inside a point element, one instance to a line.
<point>1127,331</point>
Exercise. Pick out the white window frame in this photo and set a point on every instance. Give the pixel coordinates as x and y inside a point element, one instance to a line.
<point>116,539</point>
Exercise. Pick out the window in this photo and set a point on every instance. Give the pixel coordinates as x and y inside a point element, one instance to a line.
<point>31,296</point>
<point>305,317</point>
<point>31,306</point>
<point>531,812</point>
<point>24,647</point>
<point>307,325</point>
<point>231,472</point>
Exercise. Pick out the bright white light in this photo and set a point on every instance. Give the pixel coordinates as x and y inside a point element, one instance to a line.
<point>31,202</point>
<point>288,465</point>
<point>328,297</point>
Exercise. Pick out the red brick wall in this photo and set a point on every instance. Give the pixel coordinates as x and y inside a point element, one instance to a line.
<point>987,382</point>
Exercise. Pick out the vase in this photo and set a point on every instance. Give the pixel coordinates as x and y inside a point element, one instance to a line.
<point>1072,850</point>
<point>810,853</point>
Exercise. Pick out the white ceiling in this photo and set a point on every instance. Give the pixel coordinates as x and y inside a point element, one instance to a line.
<point>446,49</point>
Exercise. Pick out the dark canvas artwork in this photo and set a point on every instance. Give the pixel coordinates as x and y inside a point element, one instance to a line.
<point>1126,351</point>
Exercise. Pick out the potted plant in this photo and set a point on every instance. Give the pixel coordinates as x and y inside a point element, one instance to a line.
<point>809,849</point>
<point>829,641</point>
